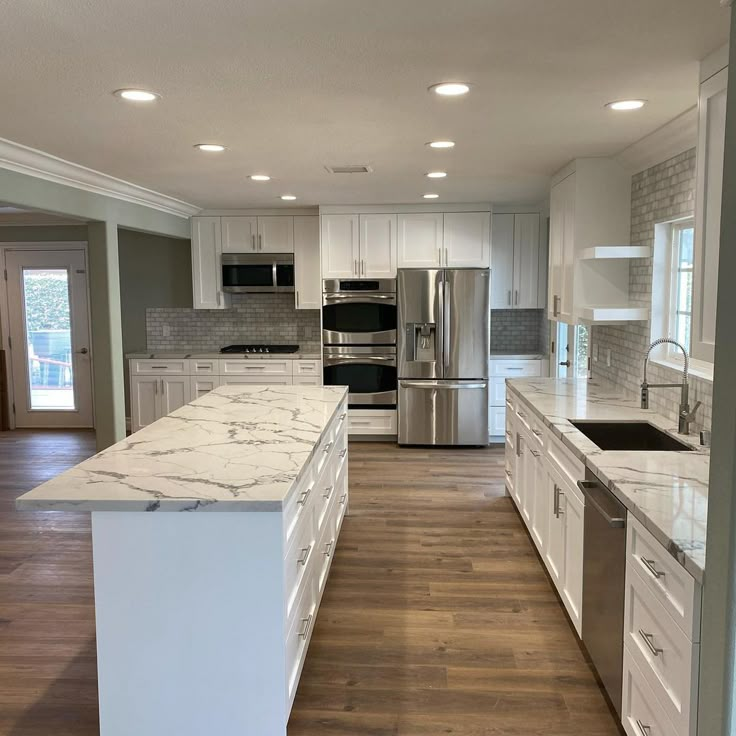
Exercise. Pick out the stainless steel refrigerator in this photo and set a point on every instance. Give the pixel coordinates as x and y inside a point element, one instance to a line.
<point>443,346</point>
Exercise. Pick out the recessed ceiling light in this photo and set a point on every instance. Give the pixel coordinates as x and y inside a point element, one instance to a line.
<point>259,177</point>
<point>436,174</point>
<point>450,89</point>
<point>441,144</point>
<point>137,95</point>
<point>288,197</point>
<point>430,196</point>
<point>210,147</point>
<point>626,104</point>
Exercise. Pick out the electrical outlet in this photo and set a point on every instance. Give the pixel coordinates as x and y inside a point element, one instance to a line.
<point>166,331</point>
<point>608,357</point>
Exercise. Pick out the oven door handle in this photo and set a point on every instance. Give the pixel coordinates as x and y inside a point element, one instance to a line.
<point>362,299</point>
<point>427,385</point>
<point>374,359</point>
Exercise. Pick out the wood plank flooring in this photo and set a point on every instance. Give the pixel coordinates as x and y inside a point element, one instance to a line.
<point>437,618</point>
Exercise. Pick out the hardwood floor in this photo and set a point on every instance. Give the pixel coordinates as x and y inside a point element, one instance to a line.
<point>437,618</point>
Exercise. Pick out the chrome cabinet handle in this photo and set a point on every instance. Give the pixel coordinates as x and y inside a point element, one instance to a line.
<point>343,498</point>
<point>649,641</point>
<point>328,446</point>
<point>439,256</point>
<point>253,241</point>
<point>509,298</point>
<point>649,564</point>
<point>328,548</point>
<point>509,474</point>
<point>557,510</point>
<point>307,624</point>
<point>297,298</point>
<point>519,445</point>
<point>535,453</point>
<point>522,414</point>
<point>643,729</point>
<point>342,416</point>
<point>155,387</point>
<point>537,432</point>
<point>447,259</point>
<point>304,555</point>
<point>328,492</point>
<point>260,241</point>
<point>355,267</point>
<point>343,452</point>
<point>555,305</point>
<point>303,497</point>
<point>516,296</point>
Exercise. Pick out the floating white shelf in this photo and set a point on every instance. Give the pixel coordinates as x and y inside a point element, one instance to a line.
<point>600,252</point>
<point>613,313</point>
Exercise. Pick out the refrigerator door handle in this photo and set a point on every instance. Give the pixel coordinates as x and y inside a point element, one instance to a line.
<point>447,298</point>
<point>441,385</point>
<point>440,343</point>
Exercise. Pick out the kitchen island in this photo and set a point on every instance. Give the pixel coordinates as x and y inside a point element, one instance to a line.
<point>204,618</point>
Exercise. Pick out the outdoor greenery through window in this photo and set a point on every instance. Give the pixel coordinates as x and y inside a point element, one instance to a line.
<point>681,285</point>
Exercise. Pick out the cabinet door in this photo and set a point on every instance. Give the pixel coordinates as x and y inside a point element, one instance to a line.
<point>199,386</point>
<point>307,281</point>
<point>239,234</point>
<point>496,421</point>
<point>531,460</point>
<point>572,579</point>
<point>520,479</point>
<point>711,148</point>
<point>526,260</point>
<point>206,263</point>
<point>275,234</point>
<point>467,239</point>
<point>145,401</point>
<point>541,509</point>
<point>378,245</point>
<point>556,248</point>
<point>568,250</point>
<point>420,240</point>
<point>554,556</point>
<point>502,253</point>
<point>175,393</point>
<point>340,246</point>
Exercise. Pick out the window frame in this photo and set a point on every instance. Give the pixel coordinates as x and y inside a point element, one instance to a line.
<point>673,292</point>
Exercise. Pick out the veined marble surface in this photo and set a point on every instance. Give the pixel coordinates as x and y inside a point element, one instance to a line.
<point>238,448</point>
<point>182,355</point>
<point>665,491</point>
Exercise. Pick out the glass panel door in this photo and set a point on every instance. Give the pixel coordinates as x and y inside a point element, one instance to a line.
<point>569,354</point>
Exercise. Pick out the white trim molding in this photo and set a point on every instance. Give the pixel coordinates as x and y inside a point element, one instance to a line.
<point>673,138</point>
<point>32,162</point>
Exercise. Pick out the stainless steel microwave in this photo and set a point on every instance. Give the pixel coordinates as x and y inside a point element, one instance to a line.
<point>244,273</point>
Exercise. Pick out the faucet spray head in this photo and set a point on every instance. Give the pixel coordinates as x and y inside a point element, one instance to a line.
<point>644,395</point>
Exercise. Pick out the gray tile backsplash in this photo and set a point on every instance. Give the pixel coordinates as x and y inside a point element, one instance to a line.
<point>662,193</point>
<point>519,331</point>
<point>253,318</point>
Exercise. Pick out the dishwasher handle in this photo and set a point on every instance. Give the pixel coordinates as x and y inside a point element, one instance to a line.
<point>600,497</point>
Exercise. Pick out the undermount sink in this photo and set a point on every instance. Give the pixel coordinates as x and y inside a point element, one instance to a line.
<point>633,436</point>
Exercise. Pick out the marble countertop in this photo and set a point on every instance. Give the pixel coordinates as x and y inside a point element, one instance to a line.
<point>238,448</point>
<point>216,355</point>
<point>666,491</point>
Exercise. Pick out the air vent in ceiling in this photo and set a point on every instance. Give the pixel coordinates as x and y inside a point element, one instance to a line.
<point>349,169</point>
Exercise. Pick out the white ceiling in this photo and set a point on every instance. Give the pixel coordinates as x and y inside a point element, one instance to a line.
<point>293,85</point>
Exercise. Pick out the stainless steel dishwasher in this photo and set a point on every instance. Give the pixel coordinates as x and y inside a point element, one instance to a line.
<point>604,578</point>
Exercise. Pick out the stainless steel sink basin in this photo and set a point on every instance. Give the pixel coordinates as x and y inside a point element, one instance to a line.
<point>633,436</point>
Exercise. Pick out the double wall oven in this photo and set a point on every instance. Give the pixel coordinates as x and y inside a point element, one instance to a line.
<point>359,337</point>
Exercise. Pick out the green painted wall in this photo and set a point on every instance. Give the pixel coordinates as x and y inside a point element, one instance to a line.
<point>44,233</point>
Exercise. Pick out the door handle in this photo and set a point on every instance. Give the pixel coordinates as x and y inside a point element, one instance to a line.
<point>566,363</point>
<point>447,295</point>
<point>253,241</point>
<point>260,241</point>
<point>83,351</point>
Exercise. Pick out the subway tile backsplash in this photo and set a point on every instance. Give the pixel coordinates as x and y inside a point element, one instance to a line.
<point>253,318</point>
<point>519,331</point>
<point>662,193</point>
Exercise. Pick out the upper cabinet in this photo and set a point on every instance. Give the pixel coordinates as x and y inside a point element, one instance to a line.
<point>206,257</point>
<point>258,234</point>
<point>340,246</point>
<point>467,239</point>
<point>307,283</point>
<point>709,184</point>
<point>517,257</point>
<point>378,240</point>
<point>421,240</point>
<point>590,224</point>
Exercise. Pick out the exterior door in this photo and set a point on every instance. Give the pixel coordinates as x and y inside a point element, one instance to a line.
<point>569,353</point>
<point>48,313</point>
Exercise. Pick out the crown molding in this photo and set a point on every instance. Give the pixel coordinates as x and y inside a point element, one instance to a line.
<point>32,162</point>
<point>680,134</point>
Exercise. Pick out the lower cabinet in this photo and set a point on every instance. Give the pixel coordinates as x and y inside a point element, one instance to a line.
<point>499,369</point>
<point>153,397</point>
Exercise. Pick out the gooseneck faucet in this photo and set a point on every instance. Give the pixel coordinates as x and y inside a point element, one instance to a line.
<point>685,415</point>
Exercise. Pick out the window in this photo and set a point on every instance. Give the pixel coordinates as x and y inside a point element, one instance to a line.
<point>570,351</point>
<point>681,282</point>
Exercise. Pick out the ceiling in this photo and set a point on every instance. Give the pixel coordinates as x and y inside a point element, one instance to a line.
<point>292,86</point>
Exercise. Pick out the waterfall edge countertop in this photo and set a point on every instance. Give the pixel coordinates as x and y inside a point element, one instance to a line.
<point>238,448</point>
<point>665,491</point>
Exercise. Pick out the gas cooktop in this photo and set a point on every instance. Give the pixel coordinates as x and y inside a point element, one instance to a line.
<point>260,349</point>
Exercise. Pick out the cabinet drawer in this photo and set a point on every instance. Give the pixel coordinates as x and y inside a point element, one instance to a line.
<point>515,368</point>
<point>497,389</point>
<point>298,507</point>
<point>298,560</point>
<point>198,367</point>
<point>245,367</point>
<point>325,493</point>
<point>307,367</point>
<point>160,367</point>
<point>325,551</point>
<point>369,421</point>
<point>565,462</point>
<point>298,637</point>
<point>666,657</point>
<point>307,380</point>
<point>669,582</point>
<point>342,497</point>
<point>536,430</point>
<point>264,380</point>
<point>641,713</point>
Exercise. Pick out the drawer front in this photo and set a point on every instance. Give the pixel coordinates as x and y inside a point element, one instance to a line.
<point>297,561</point>
<point>497,388</point>
<point>641,713</point>
<point>298,638</point>
<point>326,492</point>
<point>565,462</point>
<point>307,380</point>
<point>515,368</point>
<point>207,367</point>
<point>537,431</point>
<point>299,506</point>
<point>245,367</point>
<point>325,551</point>
<point>160,367</point>
<point>366,421</point>
<point>307,368</point>
<point>199,386</point>
<point>669,582</point>
<point>264,380</point>
<point>343,497</point>
<point>523,415</point>
<point>665,656</point>
<point>497,421</point>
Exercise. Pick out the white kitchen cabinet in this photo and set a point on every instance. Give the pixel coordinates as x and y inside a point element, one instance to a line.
<point>554,557</point>
<point>516,262</point>
<point>532,456</point>
<point>175,393</point>
<point>239,234</point>
<point>708,189</point>
<point>378,246</point>
<point>206,268</point>
<point>340,246</point>
<point>276,234</point>
<point>467,239</point>
<point>561,250</point>
<point>307,274</point>
<point>502,272</point>
<point>520,468</point>
<point>144,401</point>
<point>496,421</point>
<point>201,385</point>
<point>421,240</point>
<point>541,510</point>
<point>572,577</point>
